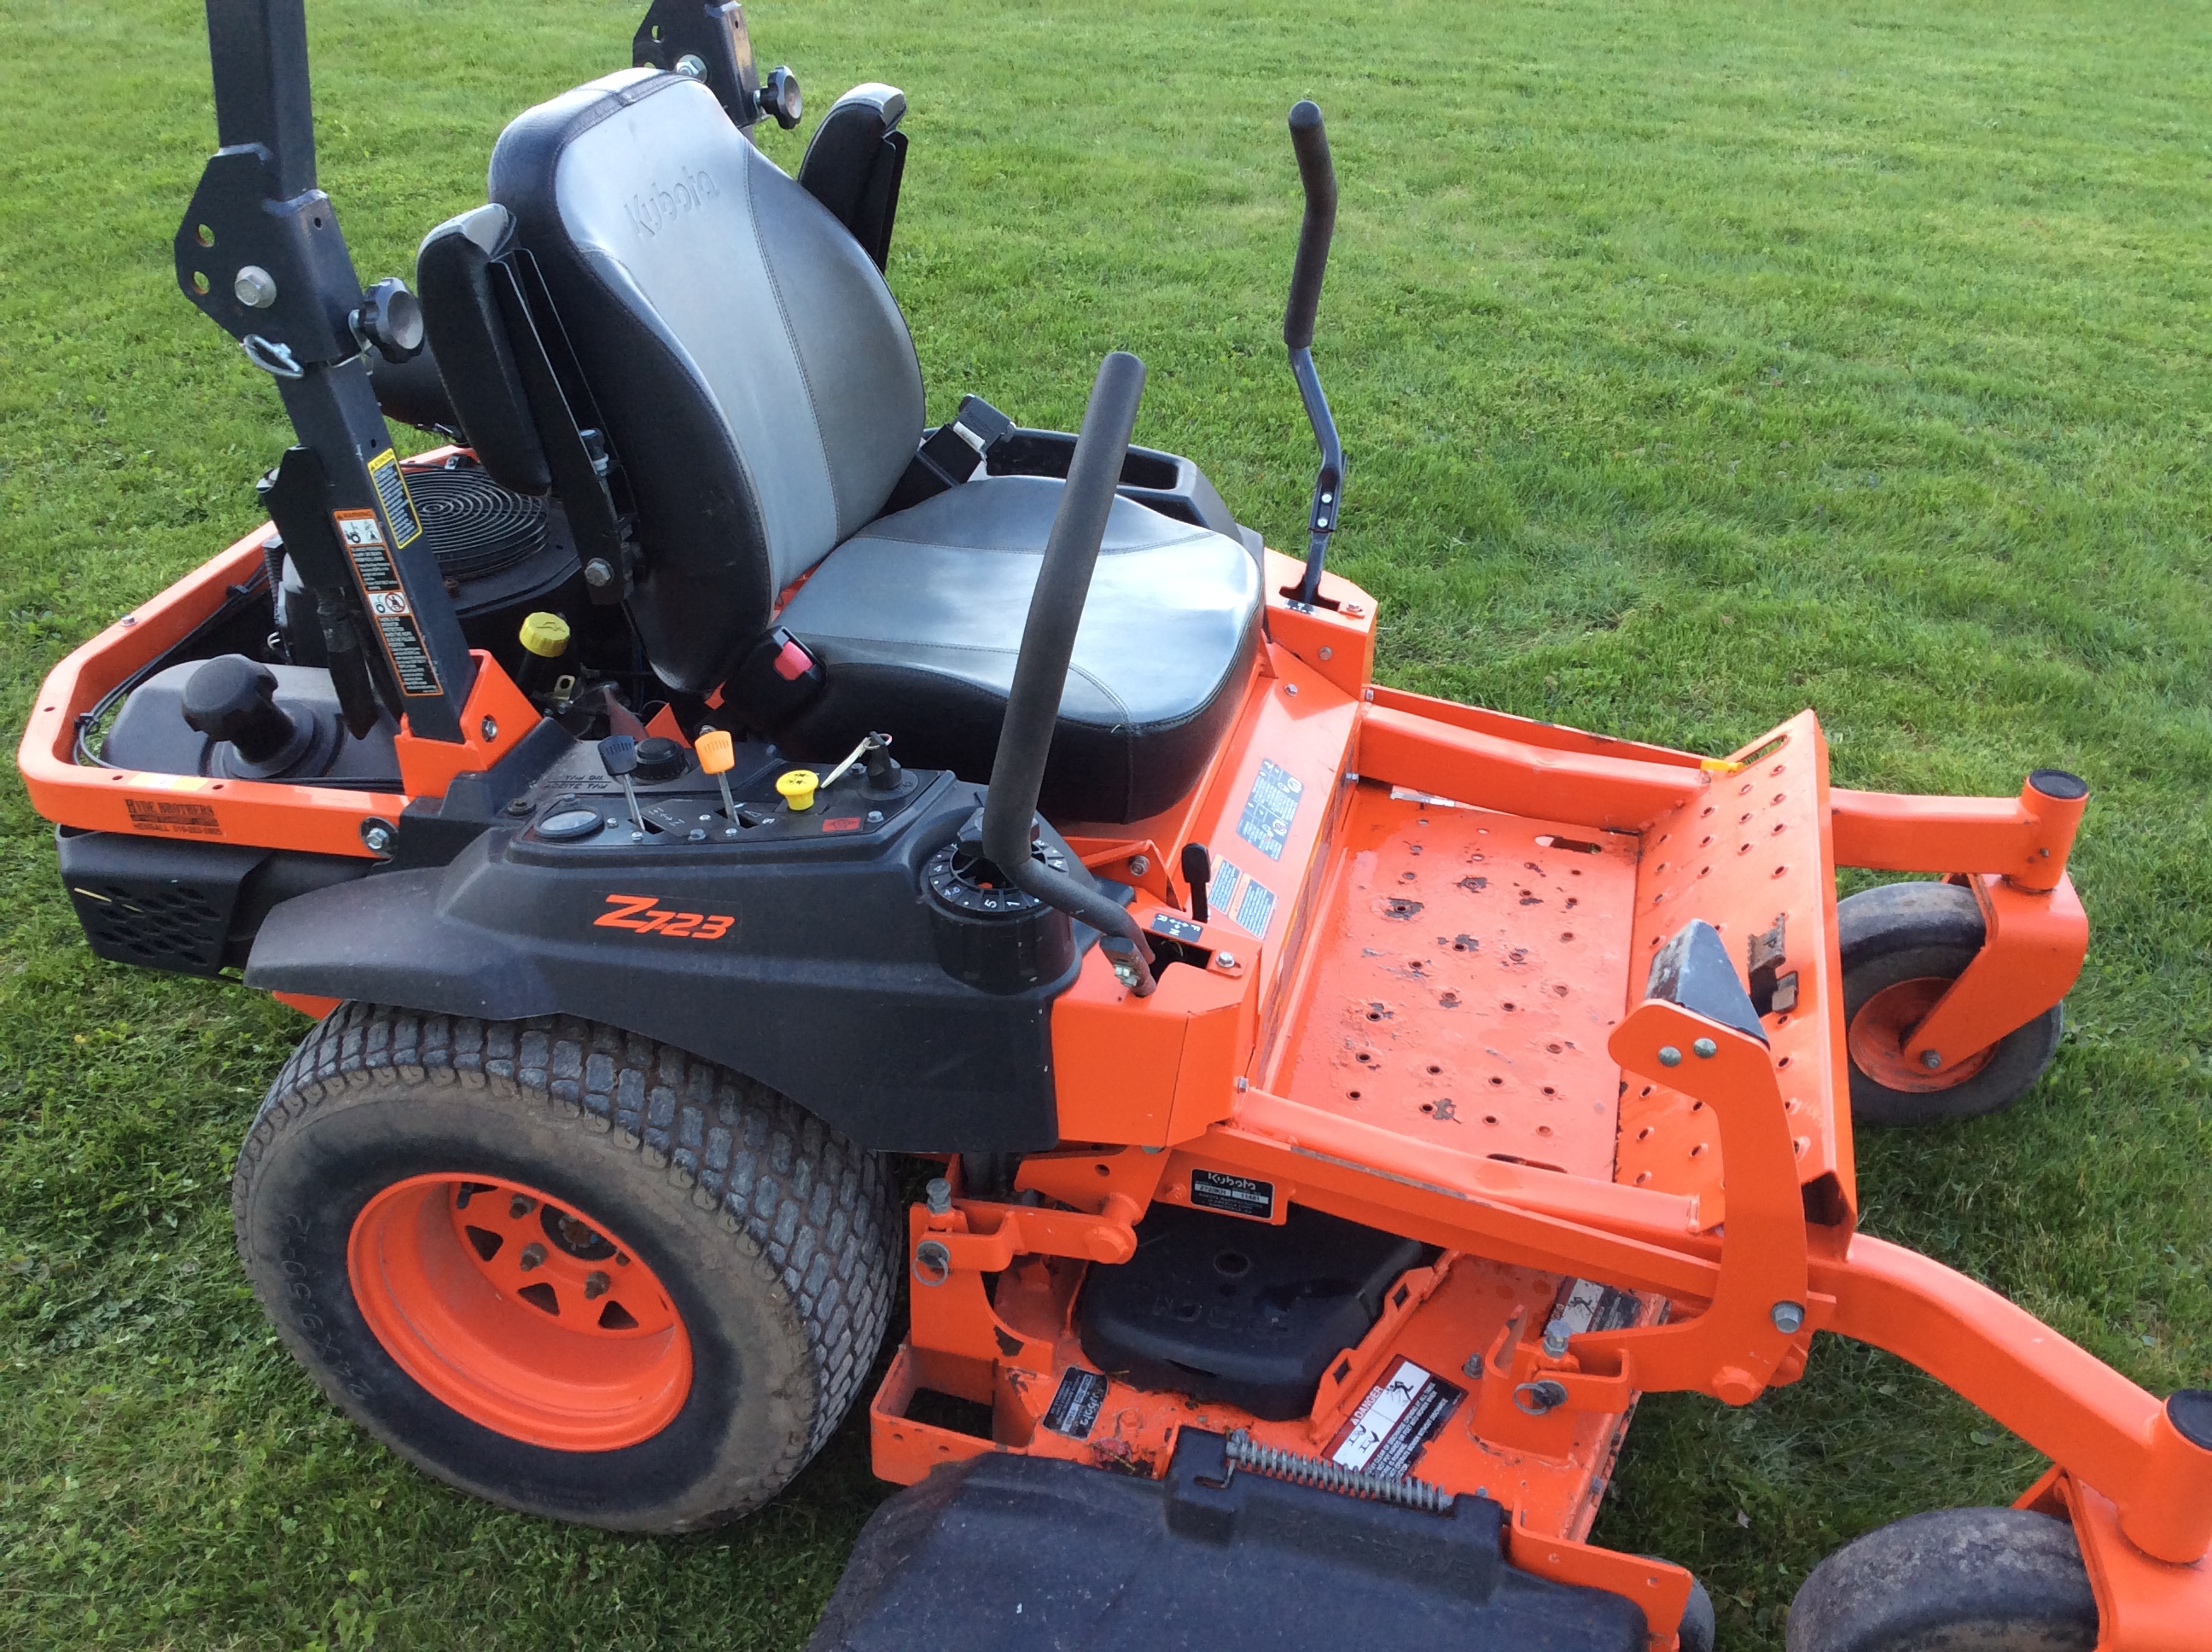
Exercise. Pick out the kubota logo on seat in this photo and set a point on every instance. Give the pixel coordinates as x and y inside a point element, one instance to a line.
<point>659,207</point>
<point>639,912</point>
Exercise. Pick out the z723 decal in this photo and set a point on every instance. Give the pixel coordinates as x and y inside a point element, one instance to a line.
<point>639,912</point>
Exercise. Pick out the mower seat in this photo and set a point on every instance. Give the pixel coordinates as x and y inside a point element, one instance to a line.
<point>761,392</point>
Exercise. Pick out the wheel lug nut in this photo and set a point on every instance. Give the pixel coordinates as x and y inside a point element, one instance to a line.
<point>531,1256</point>
<point>520,1206</point>
<point>595,1285</point>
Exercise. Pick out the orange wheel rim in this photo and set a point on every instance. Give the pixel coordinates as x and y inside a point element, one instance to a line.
<point>520,1312</point>
<point>1878,1033</point>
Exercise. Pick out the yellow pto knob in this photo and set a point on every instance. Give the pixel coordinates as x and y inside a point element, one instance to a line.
<point>545,636</point>
<point>717,753</point>
<point>796,787</point>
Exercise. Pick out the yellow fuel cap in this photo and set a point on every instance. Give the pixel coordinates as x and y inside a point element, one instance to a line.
<point>545,636</point>
<point>796,786</point>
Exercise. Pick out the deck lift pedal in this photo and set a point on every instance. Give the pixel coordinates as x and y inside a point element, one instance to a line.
<point>699,782</point>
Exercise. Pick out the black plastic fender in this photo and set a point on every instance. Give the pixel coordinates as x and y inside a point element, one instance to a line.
<point>812,966</point>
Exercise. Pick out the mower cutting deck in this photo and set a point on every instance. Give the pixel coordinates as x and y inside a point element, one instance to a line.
<point>700,782</point>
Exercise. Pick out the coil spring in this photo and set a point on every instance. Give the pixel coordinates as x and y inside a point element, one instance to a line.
<point>1323,1475</point>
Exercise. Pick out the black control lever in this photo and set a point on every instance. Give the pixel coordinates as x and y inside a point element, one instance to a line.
<point>1311,142</point>
<point>1070,552</point>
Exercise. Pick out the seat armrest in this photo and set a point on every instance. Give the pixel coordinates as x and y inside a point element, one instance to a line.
<point>468,338</point>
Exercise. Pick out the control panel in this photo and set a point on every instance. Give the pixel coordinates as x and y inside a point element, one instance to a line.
<point>656,793</point>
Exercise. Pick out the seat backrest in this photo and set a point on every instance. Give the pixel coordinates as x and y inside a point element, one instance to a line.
<point>757,381</point>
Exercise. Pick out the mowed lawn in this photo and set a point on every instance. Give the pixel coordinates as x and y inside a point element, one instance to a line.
<point>1698,362</point>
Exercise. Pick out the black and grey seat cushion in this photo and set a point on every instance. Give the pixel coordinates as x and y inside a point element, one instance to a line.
<point>760,387</point>
<point>926,608</point>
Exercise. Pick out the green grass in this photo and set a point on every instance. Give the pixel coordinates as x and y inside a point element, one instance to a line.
<point>1698,362</point>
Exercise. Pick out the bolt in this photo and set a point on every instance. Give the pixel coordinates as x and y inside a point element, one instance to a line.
<point>1226,960</point>
<point>1555,1338</point>
<point>1706,1049</point>
<point>691,64</point>
<point>1290,688</point>
<point>875,816</point>
<point>520,1206</point>
<point>533,1256</point>
<point>938,1194</point>
<point>255,286</point>
<point>1138,865</point>
<point>1931,1060</point>
<point>1243,1083</point>
<point>519,807</point>
<point>1669,1056</point>
<point>1788,1316</point>
<point>698,834</point>
<point>596,1285</point>
<point>489,729</point>
<point>377,836</point>
<point>599,573</point>
<point>1328,654</point>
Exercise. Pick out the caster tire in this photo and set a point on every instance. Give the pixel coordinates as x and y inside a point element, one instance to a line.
<point>1902,944</point>
<point>1956,1580</point>
<point>1699,1627</point>
<point>575,1272</point>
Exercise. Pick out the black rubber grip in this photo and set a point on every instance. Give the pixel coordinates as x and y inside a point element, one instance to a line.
<point>1310,140</point>
<point>1070,552</point>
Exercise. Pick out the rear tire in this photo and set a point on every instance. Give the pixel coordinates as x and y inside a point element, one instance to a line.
<point>1902,944</point>
<point>764,1239</point>
<point>1955,1580</point>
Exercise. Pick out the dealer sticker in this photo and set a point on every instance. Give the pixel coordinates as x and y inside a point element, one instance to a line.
<point>1400,1415</point>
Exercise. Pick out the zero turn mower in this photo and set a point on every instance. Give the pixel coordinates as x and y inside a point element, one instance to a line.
<point>700,782</point>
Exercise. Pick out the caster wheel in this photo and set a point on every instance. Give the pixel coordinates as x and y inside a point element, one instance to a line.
<point>575,1272</point>
<point>1957,1580</point>
<point>1903,946</point>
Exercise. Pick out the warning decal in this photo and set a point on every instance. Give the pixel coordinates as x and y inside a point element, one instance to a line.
<point>1245,902</point>
<point>1076,1403</point>
<point>1400,1415</point>
<point>362,533</point>
<point>1269,808</point>
<point>1587,1306</point>
<point>392,492</point>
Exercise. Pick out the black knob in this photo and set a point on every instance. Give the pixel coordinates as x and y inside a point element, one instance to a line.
<point>233,699</point>
<point>390,318</point>
<point>779,96</point>
<point>618,755</point>
<point>660,759</point>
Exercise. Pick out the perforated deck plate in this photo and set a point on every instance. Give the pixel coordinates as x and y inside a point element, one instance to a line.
<point>1472,965</point>
<point>1024,1552</point>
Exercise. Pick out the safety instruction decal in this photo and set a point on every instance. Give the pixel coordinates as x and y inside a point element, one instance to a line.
<point>1076,1404</point>
<point>1245,902</point>
<point>399,504</point>
<point>362,533</point>
<point>1400,1415</point>
<point>1269,808</point>
<point>1588,1306</point>
<point>1215,1190</point>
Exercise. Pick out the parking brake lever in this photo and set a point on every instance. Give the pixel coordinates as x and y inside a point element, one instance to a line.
<point>1311,142</point>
